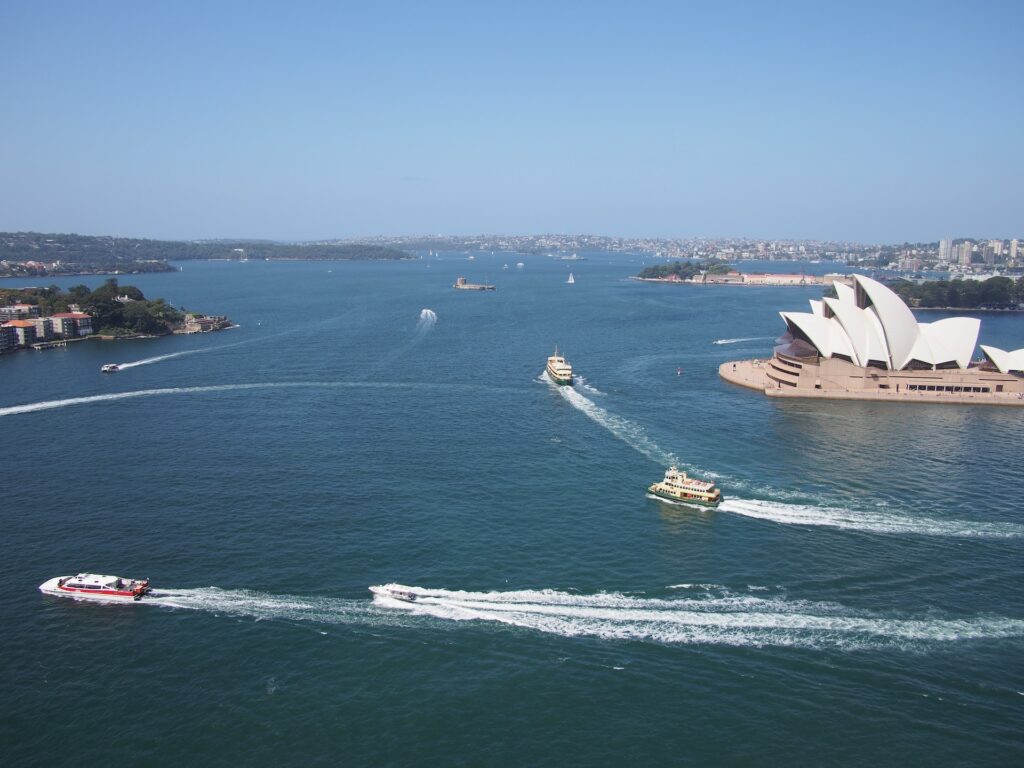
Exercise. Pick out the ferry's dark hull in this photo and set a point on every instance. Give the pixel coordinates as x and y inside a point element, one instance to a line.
<point>562,381</point>
<point>698,502</point>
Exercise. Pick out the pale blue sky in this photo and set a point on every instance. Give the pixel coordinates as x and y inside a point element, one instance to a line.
<point>876,122</point>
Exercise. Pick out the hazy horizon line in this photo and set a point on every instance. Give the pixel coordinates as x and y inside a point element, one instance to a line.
<point>422,236</point>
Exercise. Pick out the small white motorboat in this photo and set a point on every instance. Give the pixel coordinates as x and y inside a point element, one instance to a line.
<point>395,593</point>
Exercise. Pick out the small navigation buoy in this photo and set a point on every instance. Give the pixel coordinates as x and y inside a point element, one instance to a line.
<point>679,371</point>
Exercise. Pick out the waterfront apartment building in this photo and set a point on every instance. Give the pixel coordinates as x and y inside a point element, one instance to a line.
<point>71,324</point>
<point>24,331</point>
<point>8,339</point>
<point>44,328</point>
<point>18,312</point>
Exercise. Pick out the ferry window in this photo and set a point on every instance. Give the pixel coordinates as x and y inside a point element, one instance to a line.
<point>985,389</point>
<point>92,586</point>
<point>75,586</point>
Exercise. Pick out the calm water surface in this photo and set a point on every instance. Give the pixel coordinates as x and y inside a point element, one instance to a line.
<point>857,599</point>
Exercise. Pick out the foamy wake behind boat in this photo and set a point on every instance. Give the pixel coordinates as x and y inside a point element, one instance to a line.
<point>92,586</point>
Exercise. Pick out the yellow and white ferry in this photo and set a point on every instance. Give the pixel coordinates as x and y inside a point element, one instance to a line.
<point>689,490</point>
<point>559,369</point>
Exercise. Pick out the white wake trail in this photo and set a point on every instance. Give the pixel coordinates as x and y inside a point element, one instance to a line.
<point>740,341</point>
<point>624,429</point>
<point>158,358</point>
<point>739,620</point>
<point>244,342</point>
<point>46,405</point>
<point>264,606</point>
<point>588,386</point>
<point>867,520</point>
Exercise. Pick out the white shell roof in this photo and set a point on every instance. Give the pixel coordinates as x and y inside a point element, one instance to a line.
<point>885,331</point>
<point>952,340</point>
<point>897,320</point>
<point>1003,360</point>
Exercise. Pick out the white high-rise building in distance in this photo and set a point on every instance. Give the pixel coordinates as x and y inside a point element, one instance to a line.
<point>964,251</point>
<point>1013,249</point>
<point>945,250</point>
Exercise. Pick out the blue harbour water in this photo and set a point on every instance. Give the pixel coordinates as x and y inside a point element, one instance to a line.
<point>856,600</point>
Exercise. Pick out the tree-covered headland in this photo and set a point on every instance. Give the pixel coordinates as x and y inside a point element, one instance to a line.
<point>38,254</point>
<point>994,293</point>
<point>684,270</point>
<point>116,310</point>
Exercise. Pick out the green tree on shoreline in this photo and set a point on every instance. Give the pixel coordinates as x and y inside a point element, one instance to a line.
<point>996,292</point>
<point>684,270</point>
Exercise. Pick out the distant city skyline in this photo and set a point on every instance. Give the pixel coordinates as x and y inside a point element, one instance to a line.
<point>795,121</point>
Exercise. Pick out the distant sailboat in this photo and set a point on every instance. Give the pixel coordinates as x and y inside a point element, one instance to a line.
<point>571,279</point>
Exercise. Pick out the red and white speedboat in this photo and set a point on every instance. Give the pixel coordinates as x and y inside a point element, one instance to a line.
<point>91,586</point>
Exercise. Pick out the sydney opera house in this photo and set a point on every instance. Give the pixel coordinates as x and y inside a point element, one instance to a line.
<point>866,344</point>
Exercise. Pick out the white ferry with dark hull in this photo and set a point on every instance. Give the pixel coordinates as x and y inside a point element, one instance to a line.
<point>559,369</point>
<point>92,586</point>
<point>677,487</point>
